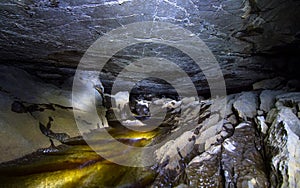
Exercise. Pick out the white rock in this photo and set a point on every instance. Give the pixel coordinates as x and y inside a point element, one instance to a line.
<point>133,123</point>
<point>229,145</point>
<point>188,100</point>
<point>242,125</point>
<point>121,99</point>
<point>262,125</point>
<point>172,104</point>
<point>224,133</point>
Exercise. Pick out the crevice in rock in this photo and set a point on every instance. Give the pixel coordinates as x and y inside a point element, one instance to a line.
<point>222,171</point>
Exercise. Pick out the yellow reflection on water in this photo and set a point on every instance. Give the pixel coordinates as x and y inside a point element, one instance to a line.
<point>78,166</point>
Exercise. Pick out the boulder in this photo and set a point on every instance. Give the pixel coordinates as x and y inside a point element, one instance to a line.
<point>267,99</point>
<point>246,105</point>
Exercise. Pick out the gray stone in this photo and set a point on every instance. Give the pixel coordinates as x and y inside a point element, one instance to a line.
<point>231,99</point>
<point>228,126</point>
<point>271,115</point>
<point>232,119</point>
<point>209,135</point>
<point>169,151</point>
<point>288,99</point>
<point>273,83</point>
<point>35,32</point>
<point>246,105</point>
<point>212,120</point>
<point>267,99</point>
<point>260,113</point>
<point>282,143</point>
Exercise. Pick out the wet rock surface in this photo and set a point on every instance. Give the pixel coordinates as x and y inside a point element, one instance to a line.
<point>205,169</point>
<point>243,161</point>
<point>76,165</point>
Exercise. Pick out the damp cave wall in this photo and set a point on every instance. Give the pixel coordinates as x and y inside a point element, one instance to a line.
<point>251,39</point>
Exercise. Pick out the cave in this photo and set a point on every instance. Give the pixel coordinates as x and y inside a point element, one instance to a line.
<point>158,93</point>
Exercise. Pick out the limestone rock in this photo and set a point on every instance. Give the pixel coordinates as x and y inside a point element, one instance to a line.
<point>232,119</point>
<point>246,105</point>
<point>242,161</point>
<point>34,31</point>
<point>291,99</point>
<point>263,127</point>
<point>267,99</point>
<point>170,150</point>
<point>283,142</point>
<point>209,135</point>
<point>170,157</point>
<point>273,83</point>
<point>26,87</point>
<point>20,134</point>
<point>26,100</point>
<point>204,170</point>
<point>230,99</point>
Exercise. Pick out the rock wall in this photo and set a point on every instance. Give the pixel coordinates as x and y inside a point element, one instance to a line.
<point>245,36</point>
<point>247,149</point>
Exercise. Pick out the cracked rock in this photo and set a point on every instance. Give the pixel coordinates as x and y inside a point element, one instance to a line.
<point>282,148</point>
<point>204,170</point>
<point>242,161</point>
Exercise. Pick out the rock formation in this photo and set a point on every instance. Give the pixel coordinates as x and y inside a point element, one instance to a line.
<point>251,41</point>
<point>248,138</point>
